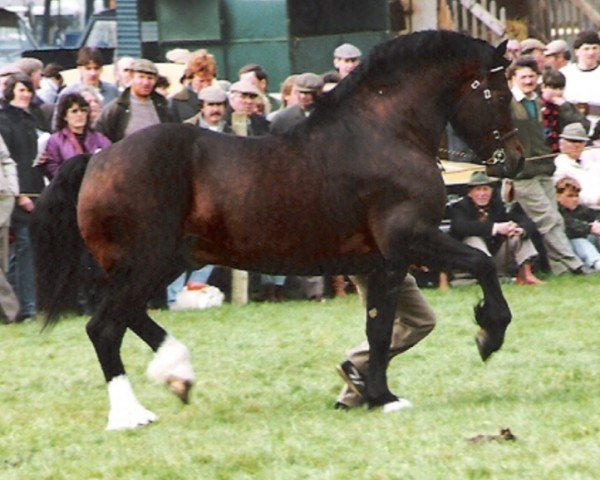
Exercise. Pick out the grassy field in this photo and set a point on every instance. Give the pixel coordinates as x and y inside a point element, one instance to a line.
<point>262,407</point>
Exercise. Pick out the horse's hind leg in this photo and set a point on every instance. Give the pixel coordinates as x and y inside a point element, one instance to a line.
<point>171,363</point>
<point>106,330</point>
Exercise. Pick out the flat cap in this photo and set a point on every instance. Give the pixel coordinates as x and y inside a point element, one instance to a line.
<point>28,65</point>
<point>145,66</point>
<point>556,46</point>
<point>530,44</point>
<point>212,94</point>
<point>574,132</point>
<point>308,82</point>
<point>244,87</point>
<point>347,50</point>
<point>9,69</point>
<point>178,55</point>
<point>587,36</point>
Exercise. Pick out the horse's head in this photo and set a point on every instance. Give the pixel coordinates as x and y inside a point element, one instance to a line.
<point>482,117</point>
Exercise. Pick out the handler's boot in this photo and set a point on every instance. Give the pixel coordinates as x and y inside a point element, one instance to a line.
<point>525,276</point>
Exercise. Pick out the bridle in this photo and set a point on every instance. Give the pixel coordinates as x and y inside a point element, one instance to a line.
<point>499,155</point>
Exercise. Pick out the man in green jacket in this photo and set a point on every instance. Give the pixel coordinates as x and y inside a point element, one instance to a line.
<point>533,186</point>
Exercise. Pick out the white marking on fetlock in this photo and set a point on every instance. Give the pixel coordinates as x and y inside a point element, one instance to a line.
<point>399,404</point>
<point>126,411</point>
<point>172,359</point>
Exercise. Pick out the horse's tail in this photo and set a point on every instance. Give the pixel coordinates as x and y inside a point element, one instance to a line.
<point>56,241</point>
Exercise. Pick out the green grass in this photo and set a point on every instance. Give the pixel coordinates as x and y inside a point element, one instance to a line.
<point>262,407</point>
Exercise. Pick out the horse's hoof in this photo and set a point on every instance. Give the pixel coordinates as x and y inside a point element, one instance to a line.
<point>486,344</point>
<point>181,388</point>
<point>127,419</point>
<point>399,404</point>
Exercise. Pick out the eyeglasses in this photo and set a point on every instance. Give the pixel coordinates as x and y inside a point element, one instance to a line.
<point>248,95</point>
<point>78,110</point>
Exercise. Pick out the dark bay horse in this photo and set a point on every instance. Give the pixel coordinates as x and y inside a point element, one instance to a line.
<point>353,189</point>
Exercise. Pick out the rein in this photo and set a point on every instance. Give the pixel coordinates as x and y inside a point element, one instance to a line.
<point>527,159</point>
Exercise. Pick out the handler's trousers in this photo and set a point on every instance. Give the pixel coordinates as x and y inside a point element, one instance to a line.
<point>514,249</point>
<point>414,320</point>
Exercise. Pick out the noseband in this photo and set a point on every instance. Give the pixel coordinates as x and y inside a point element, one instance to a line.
<point>499,155</point>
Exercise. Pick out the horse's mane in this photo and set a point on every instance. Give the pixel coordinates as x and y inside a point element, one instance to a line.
<point>388,61</point>
<point>408,53</point>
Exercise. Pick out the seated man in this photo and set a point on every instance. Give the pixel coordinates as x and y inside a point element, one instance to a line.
<point>480,220</point>
<point>572,143</point>
<point>582,224</point>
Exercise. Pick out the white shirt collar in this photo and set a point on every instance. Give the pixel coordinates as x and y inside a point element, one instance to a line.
<point>519,95</point>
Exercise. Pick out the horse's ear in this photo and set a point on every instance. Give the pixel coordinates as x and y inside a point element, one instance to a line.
<point>501,48</point>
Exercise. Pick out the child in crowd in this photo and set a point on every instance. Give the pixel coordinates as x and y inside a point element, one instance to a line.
<point>582,224</point>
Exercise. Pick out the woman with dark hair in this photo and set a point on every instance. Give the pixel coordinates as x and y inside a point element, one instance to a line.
<point>18,128</point>
<point>73,135</point>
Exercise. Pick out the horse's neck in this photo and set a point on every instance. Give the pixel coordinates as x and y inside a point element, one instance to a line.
<point>412,114</point>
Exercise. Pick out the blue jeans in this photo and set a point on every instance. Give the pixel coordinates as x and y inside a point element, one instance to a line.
<point>587,249</point>
<point>197,276</point>
<point>21,273</point>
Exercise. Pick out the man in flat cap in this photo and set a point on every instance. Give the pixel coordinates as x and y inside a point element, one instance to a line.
<point>557,54</point>
<point>306,87</point>
<point>213,101</point>
<point>583,76</point>
<point>535,48</point>
<point>346,58</point>
<point>257,75</point>
<point>137,107</point>
<point>243,98</point>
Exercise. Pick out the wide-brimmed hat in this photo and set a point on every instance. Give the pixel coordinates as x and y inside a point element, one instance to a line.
<point>145,66</point>
<point>347,50</point>
<point>308,82</point>
<point>244,87</point>
<point>479,178</point>
<point>556,46</point>
<point>212,94</point>
<point>574,132</point>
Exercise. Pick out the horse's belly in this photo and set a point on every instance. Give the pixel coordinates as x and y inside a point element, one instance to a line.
<point>299,252</point>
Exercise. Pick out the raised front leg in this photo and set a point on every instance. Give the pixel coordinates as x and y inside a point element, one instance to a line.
<point>492,313</point>
<point>382,296</point>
